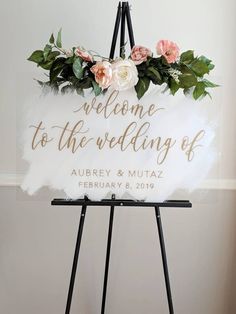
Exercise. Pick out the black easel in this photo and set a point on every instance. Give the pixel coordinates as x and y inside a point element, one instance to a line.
<point>123,13</point>
<point>112,203</point>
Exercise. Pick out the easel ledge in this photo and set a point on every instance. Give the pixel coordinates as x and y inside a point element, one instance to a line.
<point>120,202</point>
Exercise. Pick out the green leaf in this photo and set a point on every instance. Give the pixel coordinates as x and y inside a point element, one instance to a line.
<point>85,83</point>
<point>36,56</point>
<point>70,60</point>
<point>52,39</point>
<point>154,75</point>
<point>46,51</point>
<point>58,41</point>
<point>209,83</point>
<point>199,67</point>
<point>211,66</point>
<point>74,80</point>
<point>164,61</point>
<point>46,65</point>
<point>67,72</point>
<point>199,90</point>
<point>187,80</point>
<point>207,62</point>
<point>52,55</point>
<point>187,57</point>
<point>96,88</point>
<point>57,66</point>
<point>77,68</point>
<point>148,60</point>
<point>187,91</point>
<point>142,86</point>
<point>174,86</point>
<point>207,94</point>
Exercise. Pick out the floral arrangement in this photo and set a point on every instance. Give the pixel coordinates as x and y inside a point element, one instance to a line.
<point>78,69</point>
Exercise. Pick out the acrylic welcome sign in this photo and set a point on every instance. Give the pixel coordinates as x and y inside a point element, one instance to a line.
<point>116,143</point>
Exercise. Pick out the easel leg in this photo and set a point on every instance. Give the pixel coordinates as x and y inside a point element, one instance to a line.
<point>76,257</point>
<point>164,260</point>
<point>107,259</point>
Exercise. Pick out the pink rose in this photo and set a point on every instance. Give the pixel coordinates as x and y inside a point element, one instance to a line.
<point>84,54</point>
<point>103,73</point>
<point>168,49</point>
<point>139,54</point>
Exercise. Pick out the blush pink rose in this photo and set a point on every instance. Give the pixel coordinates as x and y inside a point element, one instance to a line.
<point>139,54</point>
<point>168,49</point>
<point>102,71</point>
<point>84,54</point>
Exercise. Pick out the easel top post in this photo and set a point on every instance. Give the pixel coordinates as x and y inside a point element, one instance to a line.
<point>122,16</point>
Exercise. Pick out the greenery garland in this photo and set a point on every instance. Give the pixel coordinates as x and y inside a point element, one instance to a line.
<point>77,69</point>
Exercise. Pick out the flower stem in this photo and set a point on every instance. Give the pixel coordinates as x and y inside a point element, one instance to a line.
<point>60,49</point>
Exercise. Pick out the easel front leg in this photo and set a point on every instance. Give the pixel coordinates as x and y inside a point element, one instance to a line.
<point>76,257</point>
<point>164,260</point>
<point>107,259</point>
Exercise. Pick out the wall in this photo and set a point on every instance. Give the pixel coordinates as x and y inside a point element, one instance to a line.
<point>37,240</point>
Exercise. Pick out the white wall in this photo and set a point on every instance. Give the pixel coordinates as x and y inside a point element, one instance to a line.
<point>36,240</point>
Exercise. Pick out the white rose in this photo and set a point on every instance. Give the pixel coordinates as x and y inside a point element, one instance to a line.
<point>124,74</point>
